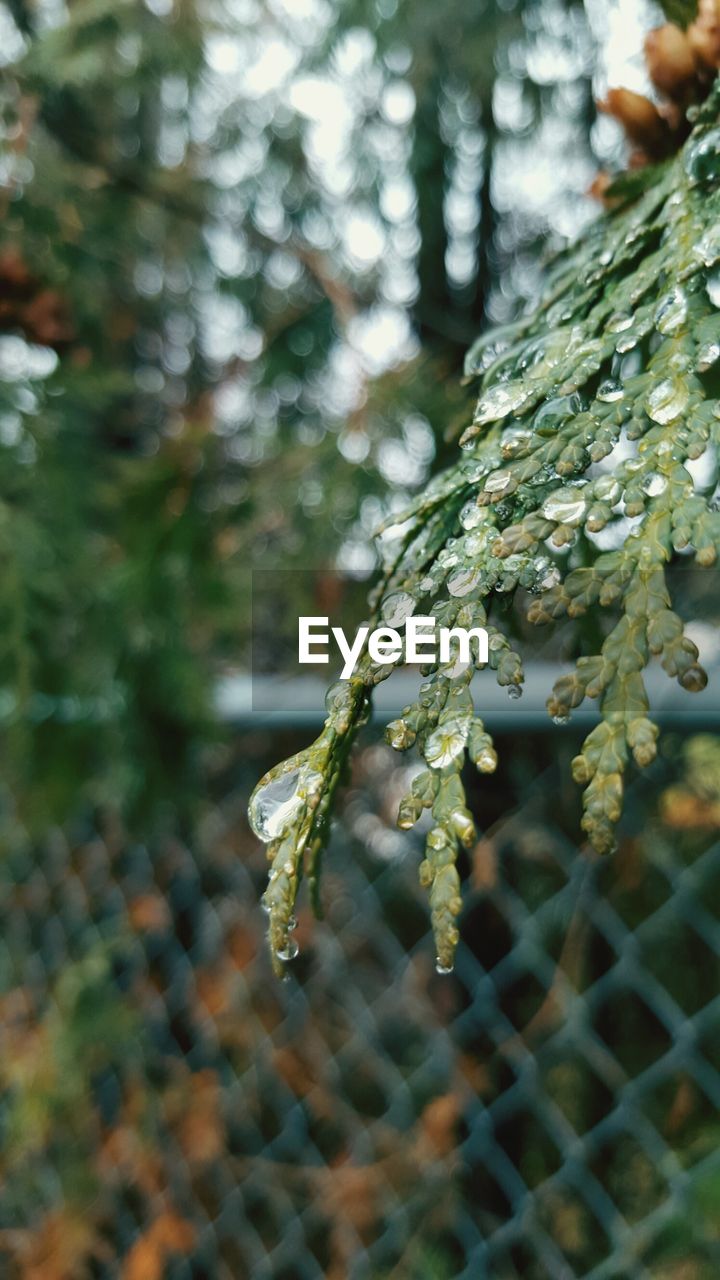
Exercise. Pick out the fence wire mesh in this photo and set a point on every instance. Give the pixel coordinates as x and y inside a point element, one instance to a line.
<point>170,1111</point>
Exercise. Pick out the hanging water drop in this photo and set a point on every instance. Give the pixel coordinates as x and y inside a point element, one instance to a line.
<point>275,804</point>
<point>514,691</point>
<point>443,968</point>
<point>289,951</point>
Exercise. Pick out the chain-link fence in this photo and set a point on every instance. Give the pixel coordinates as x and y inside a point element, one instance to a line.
<point>551,1109</point>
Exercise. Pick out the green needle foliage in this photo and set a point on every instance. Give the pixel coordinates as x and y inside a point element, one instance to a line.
<point>589,410</point>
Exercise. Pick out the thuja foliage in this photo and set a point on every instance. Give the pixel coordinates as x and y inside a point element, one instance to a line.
<point>589,411</point>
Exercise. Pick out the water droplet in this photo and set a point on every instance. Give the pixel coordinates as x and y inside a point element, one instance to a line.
<point>463,582</point>
<point>607,490</point>
<point>289,951</point>
<point>666,401</point>
<point>500,401</point>
<point>397,608</point>
<point>707,356</point>
<point>672,311</point>
<point>713,288</point>
<point>498,481</point>
<point>471,515</point>
<point>653,484</point>
<point>443,968</point>
<point>707,248</point>
<point>514,691</point>
<point>565,506</point>
<point>445,743</point>
<point>609,390</point>
<point>338,697</point>
<point>619,321</point>
<point>275,804</point>
<point>513,441</point>
<point>702,158</point>
<point>561,719</point>
<point>554,412</point>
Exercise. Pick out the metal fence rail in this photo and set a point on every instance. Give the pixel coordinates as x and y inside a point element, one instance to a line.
<point>549,1111</point>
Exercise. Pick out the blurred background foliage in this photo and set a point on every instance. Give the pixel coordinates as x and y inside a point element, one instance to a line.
<point>244,248</point>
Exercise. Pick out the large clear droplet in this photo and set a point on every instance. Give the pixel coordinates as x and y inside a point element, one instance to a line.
<point>500,400</point>
<point>672,311</point>
<point>666,401</point>
<point>443,968</point>
<point>275,804</point>
<point>565,506</point>
<point>397,608</point>
<point>446,743</point>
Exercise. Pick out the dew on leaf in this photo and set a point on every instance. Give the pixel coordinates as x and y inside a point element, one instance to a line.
<point>671,312</point>
<point>565,506</point>
<point>666,401</point>
<point>702,158</point>
<point>707,356</point>
<point>397,608</point>
<point>471,515</point>
<point>498,482</point>
<point>713,288</point>
<point>500,401</point>
<point>707,248</point>
<point>445,743</point>
<point>289,951</point>
<point>463,582</point>
<point>274,804</point>
<point>609,390</point>
<point>654,484</point>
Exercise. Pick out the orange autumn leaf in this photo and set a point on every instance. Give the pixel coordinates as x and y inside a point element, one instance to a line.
<point>168,1234</point>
